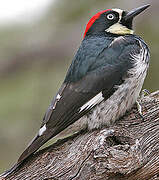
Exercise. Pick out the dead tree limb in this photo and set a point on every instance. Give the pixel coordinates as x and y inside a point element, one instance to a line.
<point>128,150</point>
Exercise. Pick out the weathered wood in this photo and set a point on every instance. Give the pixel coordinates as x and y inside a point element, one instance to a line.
<point>128,150</point>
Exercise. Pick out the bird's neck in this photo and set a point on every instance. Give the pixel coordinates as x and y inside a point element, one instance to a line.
<point>103,34</point>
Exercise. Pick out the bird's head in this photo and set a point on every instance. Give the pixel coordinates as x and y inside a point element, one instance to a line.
<point>115,21</point>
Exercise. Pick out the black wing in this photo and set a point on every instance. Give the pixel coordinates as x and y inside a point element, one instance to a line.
<point>97,75</point>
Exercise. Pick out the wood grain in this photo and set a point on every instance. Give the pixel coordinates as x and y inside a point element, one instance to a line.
<point>128,150</point>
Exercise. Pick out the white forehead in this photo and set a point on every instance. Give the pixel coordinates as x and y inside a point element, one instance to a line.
<point>120,11</point>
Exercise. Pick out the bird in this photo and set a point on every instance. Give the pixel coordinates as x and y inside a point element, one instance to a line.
<point>108,69</point>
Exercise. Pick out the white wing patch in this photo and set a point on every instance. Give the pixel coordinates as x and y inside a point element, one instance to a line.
<point>58,97</point>
<point>95,100</point>
<point>42,130</point>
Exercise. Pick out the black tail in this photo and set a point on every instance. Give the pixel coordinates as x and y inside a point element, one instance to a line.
<point>8,172</point>
<point>33,146</point>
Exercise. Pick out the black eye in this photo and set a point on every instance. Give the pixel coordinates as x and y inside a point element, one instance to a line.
<point>110,16</point>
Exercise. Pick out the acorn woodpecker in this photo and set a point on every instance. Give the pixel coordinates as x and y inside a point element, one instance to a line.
<point>109,69</point>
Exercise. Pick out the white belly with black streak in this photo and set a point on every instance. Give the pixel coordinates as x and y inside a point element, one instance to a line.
<point>123,98</point>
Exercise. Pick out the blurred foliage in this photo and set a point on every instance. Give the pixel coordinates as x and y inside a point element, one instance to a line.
<point>73,11</point>
<point>34,59</point>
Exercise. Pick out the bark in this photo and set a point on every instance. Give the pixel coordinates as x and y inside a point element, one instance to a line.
<point>128,150</point>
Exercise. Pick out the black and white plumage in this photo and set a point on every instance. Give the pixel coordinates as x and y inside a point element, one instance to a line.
<point>109,69</point>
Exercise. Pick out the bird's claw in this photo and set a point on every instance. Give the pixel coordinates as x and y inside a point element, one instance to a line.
<point>139,108</point>
<point>144,92</point>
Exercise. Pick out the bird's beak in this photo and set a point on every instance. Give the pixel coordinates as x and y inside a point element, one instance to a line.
<point>135,12</point>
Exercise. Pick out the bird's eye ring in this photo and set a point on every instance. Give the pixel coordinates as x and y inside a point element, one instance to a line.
<point>110,16</point>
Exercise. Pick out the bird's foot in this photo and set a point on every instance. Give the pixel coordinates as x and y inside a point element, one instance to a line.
<point>139,108</point>
<point>144,92</point>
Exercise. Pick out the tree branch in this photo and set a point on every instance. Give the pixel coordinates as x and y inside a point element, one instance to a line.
<point>127,150</point>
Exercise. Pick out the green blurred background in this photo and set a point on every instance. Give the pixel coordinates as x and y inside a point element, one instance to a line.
<point>35,55</point>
